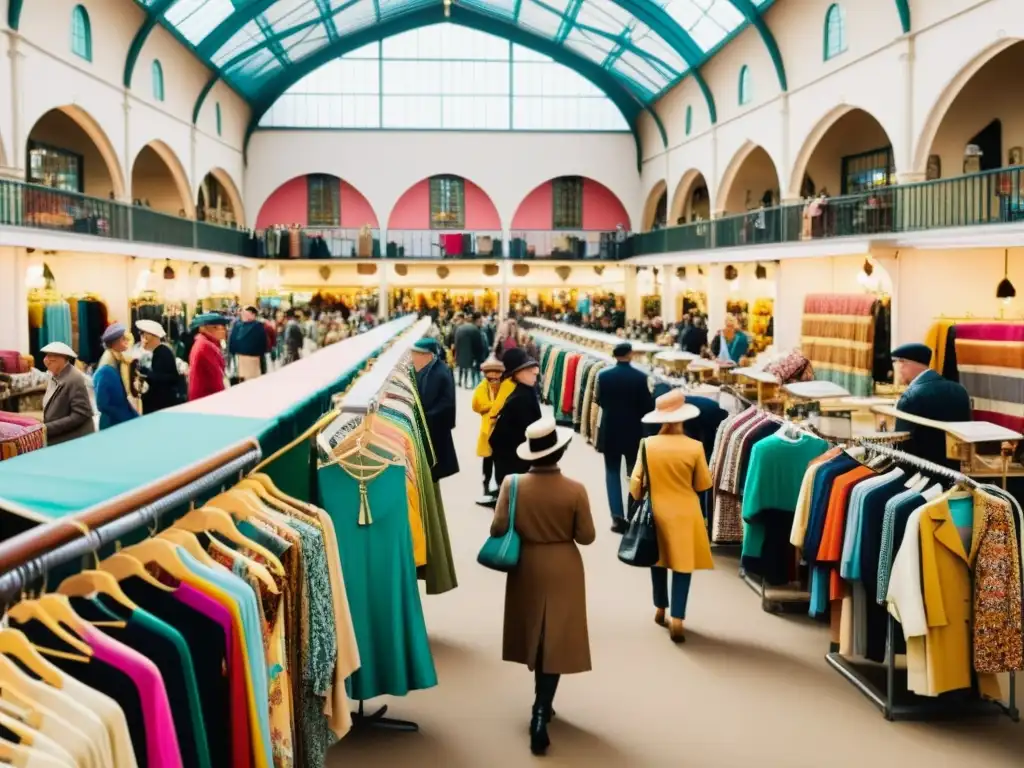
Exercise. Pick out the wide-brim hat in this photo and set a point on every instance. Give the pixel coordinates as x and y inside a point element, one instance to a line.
<point>671,408</point>
<point>59,348</point>
<point>114,332</point>
<point>492,364</point>
<point>516,359</point>
<point>151,327</point>
<point>209,318</point>
<point>543,438</point>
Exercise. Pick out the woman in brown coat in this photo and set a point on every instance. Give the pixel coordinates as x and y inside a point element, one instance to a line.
<point>545,595</point>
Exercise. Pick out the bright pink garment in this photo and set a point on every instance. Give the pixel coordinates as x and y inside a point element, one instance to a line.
<point>161,740</point>
<point>452,244</point>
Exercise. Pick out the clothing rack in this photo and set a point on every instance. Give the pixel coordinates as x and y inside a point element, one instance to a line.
<point>885,698</point>
<point>363,398</point>
<point>15,581</point>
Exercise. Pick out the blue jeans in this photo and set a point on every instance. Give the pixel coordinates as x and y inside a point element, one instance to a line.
<point>613,480</point>
<point>680,591</point>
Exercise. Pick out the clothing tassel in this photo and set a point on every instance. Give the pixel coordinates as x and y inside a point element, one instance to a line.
<point>365,518</point>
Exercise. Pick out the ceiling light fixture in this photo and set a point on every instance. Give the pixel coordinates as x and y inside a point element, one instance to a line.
<point>447,8</point>
<point>1005,289</point>
<point>760,272</point>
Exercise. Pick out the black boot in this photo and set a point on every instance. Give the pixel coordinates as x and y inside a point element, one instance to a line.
<point>539,741</point>
<point>488,499</point>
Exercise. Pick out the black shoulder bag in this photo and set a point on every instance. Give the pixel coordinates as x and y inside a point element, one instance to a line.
<point>639,545</point>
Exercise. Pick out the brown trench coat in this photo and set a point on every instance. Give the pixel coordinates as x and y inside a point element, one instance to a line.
<point>546,593</point>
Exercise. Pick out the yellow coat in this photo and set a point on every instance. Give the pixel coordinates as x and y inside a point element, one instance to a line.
<point>679,472</point>
<point>948,600</point>
<point>489,406</point>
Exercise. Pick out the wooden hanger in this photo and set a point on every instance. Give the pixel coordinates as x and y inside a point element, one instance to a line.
<point>13,643</point>
<point>14,754</point>
<point>27,715</point>
<point>160,552</point>
<point>215,520</point>
<point>189,543</point>
<point>122,566</point>
<point>26,735</point>
<point>59,607</point>
<point>256,569</point>
<point>239,506</point>
<point>28,610</point>
<point>91,582</point>
<point>10,679</point>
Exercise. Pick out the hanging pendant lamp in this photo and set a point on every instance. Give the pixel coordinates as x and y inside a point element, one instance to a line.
<point>1005,289</point>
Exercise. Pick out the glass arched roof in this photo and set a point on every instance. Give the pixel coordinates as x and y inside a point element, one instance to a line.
<point>261,47</point>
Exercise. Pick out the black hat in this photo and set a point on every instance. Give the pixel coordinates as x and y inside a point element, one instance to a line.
<point>516,359</point>
<point>623,349</point>
<point>914,352</point>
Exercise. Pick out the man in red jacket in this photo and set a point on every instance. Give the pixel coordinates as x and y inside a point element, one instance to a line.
<point>206,360</point>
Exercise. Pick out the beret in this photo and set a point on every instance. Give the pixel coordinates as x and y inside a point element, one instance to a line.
<point>915,352</point>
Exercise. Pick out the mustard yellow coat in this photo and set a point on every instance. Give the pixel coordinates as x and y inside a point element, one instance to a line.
<point>679,472</point>
<point>483,402</point>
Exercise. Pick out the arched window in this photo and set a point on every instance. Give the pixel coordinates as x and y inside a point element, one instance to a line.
<point>689,119</point>
<point>220,125</point>
<point>158,81</point>
<point>81,33</point>
<point>835,31</point>
<point>745,94</point>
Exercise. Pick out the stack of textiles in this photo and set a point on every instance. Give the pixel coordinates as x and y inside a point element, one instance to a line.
<point>944,563</point>
<point>846,338</point>
<point>988,359</point>
<point>374,480</point>
<point>226,640</point>
<point>49,320</point>
<point>569,383</point>
<point>20,434</point>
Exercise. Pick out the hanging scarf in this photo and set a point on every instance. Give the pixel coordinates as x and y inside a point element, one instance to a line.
<point>507,387</point>
<point>124,366</point>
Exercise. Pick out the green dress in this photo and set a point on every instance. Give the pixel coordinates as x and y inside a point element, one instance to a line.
<point>380,579</point>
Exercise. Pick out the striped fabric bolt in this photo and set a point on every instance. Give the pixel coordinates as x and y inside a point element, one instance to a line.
<point>990,358</point>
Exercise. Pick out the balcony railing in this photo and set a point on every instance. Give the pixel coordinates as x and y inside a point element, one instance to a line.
<point>443,244</point>
<point>990,197</point>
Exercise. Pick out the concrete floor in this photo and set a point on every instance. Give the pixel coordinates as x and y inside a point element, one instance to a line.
<point>747,689</point>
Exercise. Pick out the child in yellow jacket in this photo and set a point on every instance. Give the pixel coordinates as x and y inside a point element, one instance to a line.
<point>490,392</point>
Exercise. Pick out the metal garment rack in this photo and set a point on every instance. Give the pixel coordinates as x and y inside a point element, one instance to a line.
<point>363,398</point>
<point>885,697</point>
<point>14,582</point>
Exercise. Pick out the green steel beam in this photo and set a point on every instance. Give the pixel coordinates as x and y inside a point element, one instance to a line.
<point>568,20</point>
<point>202,96</point>
<point>224,31</point>
<point>902,6</point>
<point>515,10</point>
<point>332,31</point>
<point>153,14</point>
<point>625,100</point>
<point>273,41</point>
<point>754,17</point>
<point>14,13</point>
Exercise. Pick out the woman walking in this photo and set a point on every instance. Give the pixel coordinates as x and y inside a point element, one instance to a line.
<point>545,594</point>
<point>512,416</point>
<point>486,394</point>
<point>677,472</point>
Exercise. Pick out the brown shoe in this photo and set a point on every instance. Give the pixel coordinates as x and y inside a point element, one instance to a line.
<point>676,631</point>
<point>659,617</point>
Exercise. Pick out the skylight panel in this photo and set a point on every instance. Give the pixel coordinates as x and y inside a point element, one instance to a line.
<point>247,37</point>
<point>195,19</point>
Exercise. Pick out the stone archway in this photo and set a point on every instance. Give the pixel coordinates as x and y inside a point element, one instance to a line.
<point>160,182</point>
<point>65,133</point>
<point>656,208</point>
<point>691,200</point>
<point>219,201</point>
<point>750,178</point>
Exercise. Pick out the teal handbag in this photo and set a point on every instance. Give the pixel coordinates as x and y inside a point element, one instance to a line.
<point>501,553</point>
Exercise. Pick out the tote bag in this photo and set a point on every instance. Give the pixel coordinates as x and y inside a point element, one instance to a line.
<point>501,553</point>
<point>639,545</point>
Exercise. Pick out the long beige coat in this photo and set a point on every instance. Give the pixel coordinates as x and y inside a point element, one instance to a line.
<point>546,593</point>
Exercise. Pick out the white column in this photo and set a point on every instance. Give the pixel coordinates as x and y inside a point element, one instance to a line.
<point>127,162</point>
<point>13,299</point>
<point>193,179</point>
<point>786,169</point>
<point>249,289</point>
<point>668,294</point>
<point>718,295</point>
<point>905,163</point>
<point>503,292</point>
<point>383,299</point>
<point>633,307</point>
<point>19,133</point>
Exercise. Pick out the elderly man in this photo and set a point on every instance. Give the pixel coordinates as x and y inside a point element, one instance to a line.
<point>437,395</point>
<point>930,396</point>
<point>248,343</point>
<point>206,361</point>
<point>113,379</point>
<point>67,406</point>
<point>163,383</point>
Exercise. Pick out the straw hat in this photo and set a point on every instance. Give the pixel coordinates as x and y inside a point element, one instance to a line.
<point>492,364</point>
<point>543,438</point>
<point>671,408</point>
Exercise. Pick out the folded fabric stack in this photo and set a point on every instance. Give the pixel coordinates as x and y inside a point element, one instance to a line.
<point>19,434</point>
<point>990,363</point>
<point>839,339</point>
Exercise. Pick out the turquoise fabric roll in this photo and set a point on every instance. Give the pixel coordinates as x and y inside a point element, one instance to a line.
<point>380,579</point>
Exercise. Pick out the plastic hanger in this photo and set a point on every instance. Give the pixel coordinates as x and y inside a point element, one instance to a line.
<point>921,484</point>
<point>914,480</point>
<point>122,566</point>
<point>189,543</point>
<point>96,582</point>
<point>211,519</point>
<point>29,610</point>
<point>15,644</point>
<point>932,493</point>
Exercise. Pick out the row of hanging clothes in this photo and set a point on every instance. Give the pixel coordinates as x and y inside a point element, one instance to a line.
<point>224,640</point>
<point>569,383</point>
<point>374,479</point>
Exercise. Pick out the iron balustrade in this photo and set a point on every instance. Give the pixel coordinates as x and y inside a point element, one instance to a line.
<point>443,244</point>
<point>561,244</point>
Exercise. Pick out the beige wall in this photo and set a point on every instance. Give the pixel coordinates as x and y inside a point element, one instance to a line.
<point>152,181</point>
<point>59,130</point>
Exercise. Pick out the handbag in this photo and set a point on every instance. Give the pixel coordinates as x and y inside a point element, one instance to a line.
<point>501,553</point>
<point>639,545</point>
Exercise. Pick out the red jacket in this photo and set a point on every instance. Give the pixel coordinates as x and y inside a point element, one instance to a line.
<point>206,368</point>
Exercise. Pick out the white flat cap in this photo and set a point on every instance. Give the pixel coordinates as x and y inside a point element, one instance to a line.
<point>151,326</point>
<point>59,348</point>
